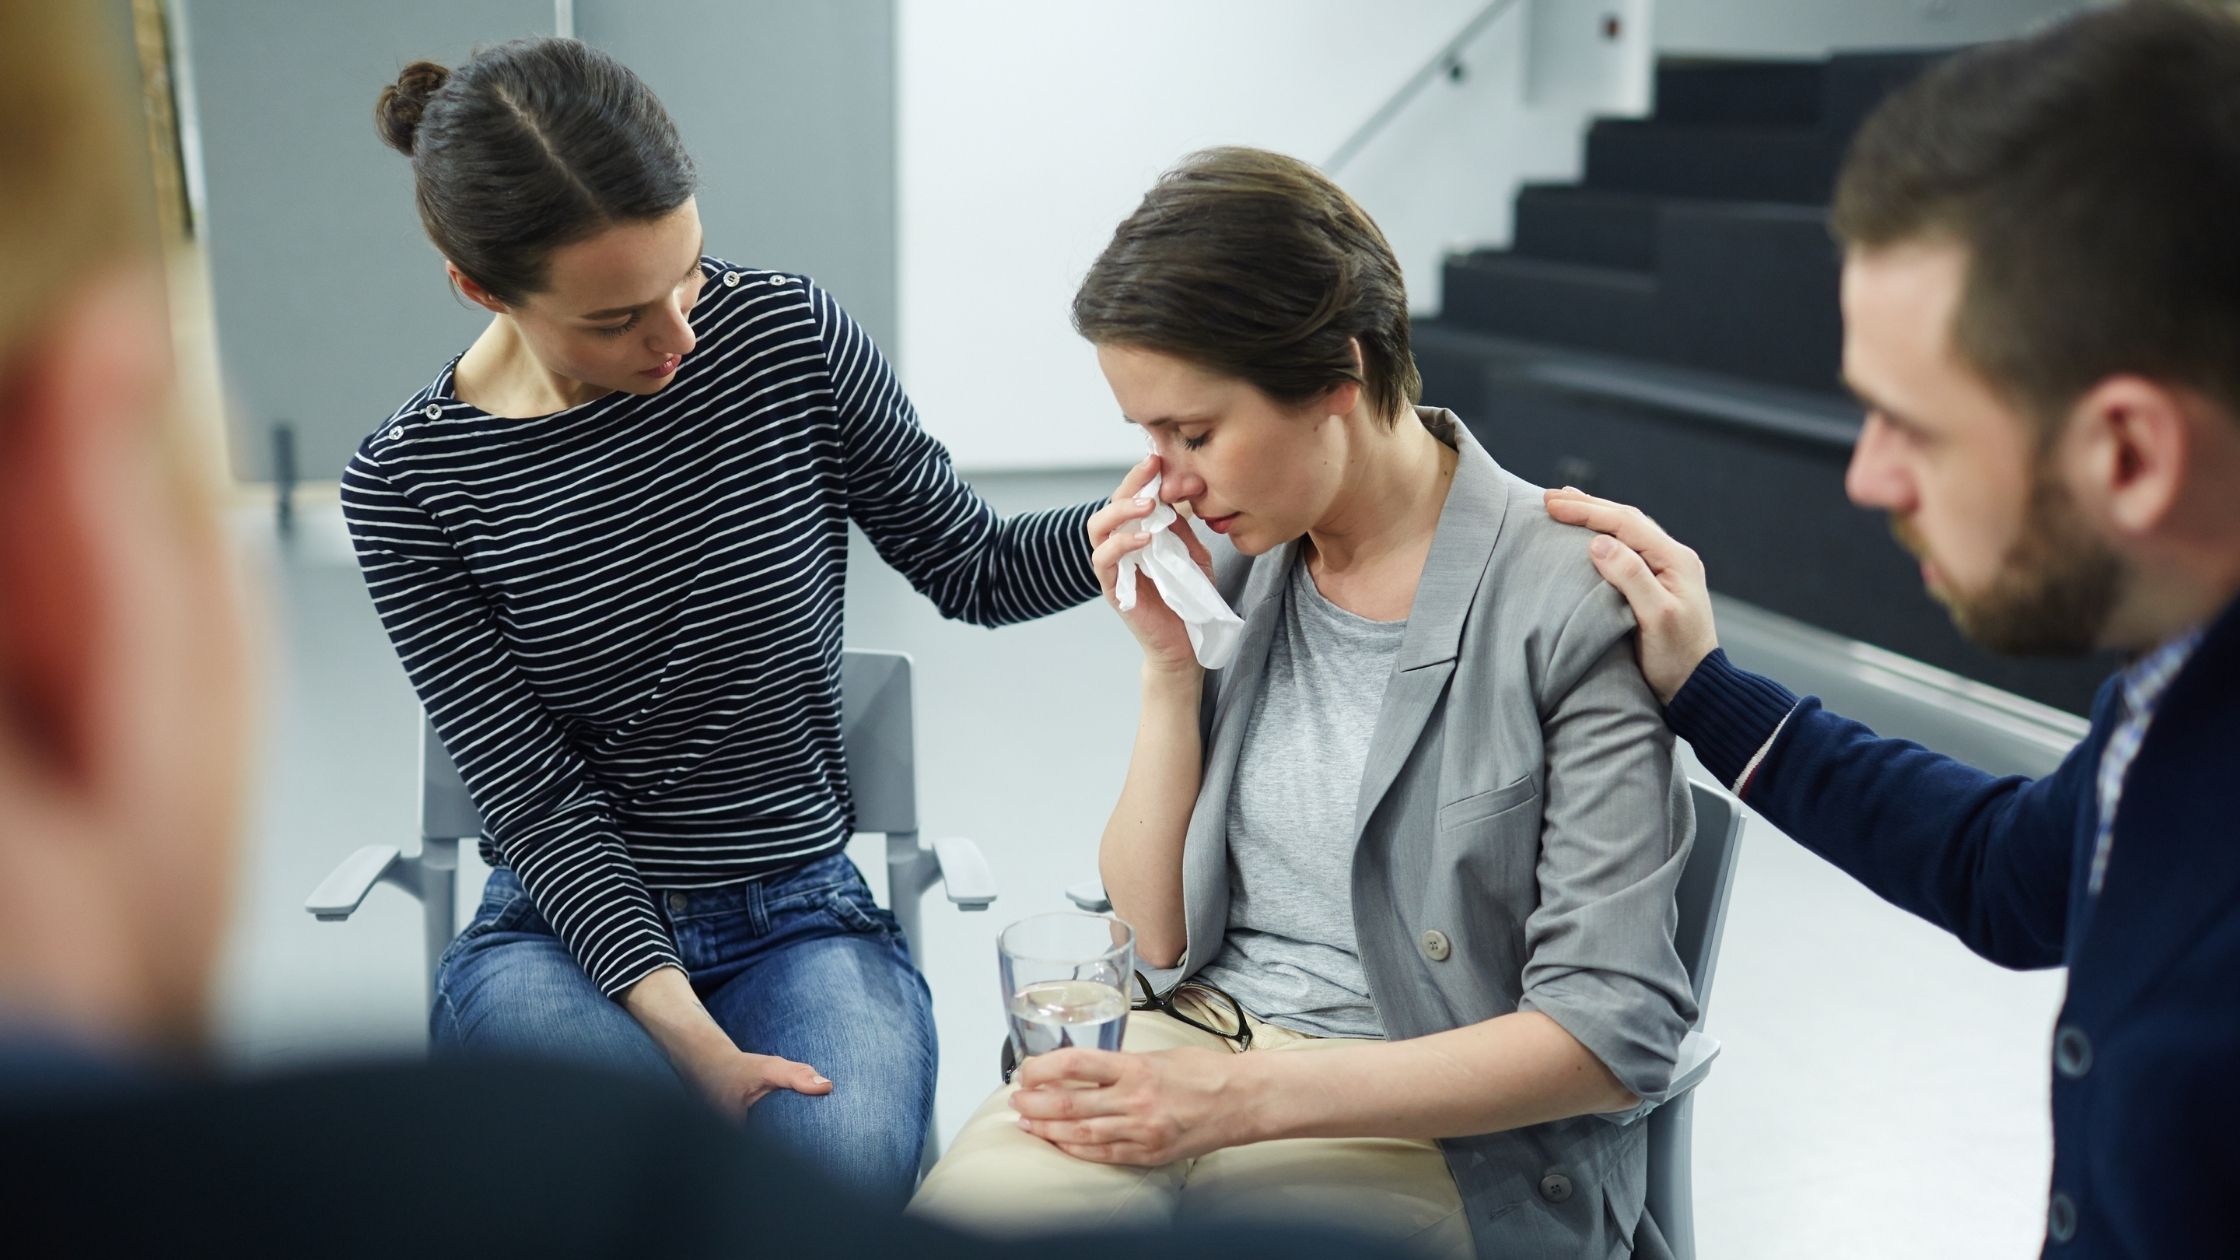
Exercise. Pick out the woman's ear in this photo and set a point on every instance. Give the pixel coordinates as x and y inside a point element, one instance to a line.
<point>1342,398</point>
<point>1346,395</point>
<point>475,293</point>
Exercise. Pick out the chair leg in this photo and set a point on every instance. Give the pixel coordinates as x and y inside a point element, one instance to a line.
<point>437,873</point>
<point>1671,1178</point>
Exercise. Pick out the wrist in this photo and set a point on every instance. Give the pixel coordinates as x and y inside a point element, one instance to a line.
<point>1261,1104</point>
<point>1695,657</point>
<point>1169,677</point>
<point>671,1013</point>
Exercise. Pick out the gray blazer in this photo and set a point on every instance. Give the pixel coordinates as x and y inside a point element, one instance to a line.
<point>1519,838</point>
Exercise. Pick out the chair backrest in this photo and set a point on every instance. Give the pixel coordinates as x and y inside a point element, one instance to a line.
<point>1668,1230</point>
<point>1704,886</point>
<point>875,726</point>
<point>446,811</point>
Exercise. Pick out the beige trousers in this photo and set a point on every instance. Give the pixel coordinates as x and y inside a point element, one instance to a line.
<point>999,1179</point>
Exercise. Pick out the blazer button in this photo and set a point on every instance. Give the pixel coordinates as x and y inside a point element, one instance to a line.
<point>2072,1052</point>
<point>1555,1187</point>
<point>1436,947</point>
<point>2061,1218</point>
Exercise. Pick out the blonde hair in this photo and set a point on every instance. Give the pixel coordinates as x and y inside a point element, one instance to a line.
<point>71,197</point>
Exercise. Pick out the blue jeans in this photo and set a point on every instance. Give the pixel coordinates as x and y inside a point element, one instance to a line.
<point>802,964</point>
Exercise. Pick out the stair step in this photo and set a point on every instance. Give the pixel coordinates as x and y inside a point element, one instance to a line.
<point>1750,93</point>
<point>1786,164</point>
<point>1595,308</point>
<point>1751,290</point>
<point>1568,223</point>
<point>1857,82</point>
<point>1765,509</point>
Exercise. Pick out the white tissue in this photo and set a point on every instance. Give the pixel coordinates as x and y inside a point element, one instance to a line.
<point>1214,629</point>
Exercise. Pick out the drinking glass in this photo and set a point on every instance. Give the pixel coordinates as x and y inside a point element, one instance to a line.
<point>1065,981</point>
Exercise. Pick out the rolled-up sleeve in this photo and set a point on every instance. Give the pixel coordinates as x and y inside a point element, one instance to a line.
<point>1616,830</point>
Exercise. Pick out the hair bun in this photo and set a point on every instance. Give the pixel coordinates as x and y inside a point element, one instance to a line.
<point>397,114</point>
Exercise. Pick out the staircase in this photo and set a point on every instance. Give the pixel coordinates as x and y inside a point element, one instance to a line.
<point>1666,332</point>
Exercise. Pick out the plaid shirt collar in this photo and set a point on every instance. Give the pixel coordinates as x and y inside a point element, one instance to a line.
<point>2145,679</point>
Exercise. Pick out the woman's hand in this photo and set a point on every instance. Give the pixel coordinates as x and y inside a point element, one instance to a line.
<point>1139,1109</point>
<point>1166,642</point>
<point>737,1080</point>
<point>727,1076</point>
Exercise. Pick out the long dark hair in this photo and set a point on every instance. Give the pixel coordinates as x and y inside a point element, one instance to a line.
<point>531,145</point>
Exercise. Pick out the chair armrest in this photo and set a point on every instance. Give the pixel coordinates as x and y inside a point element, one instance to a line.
<point>964,873</point>
<point>338,895</point>
<point>1089,896</point>
<point>1697,1050</point>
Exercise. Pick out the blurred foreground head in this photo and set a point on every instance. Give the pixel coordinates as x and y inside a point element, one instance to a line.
<point>121,663</point>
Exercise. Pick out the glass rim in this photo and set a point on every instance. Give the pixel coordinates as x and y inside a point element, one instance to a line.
<point>1127,943</point>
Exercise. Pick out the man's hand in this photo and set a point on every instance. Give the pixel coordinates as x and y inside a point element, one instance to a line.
<point>1660,578</point>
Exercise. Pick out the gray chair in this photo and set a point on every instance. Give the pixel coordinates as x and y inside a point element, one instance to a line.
<point>882,776</point>
<point>1704,887</point>
<point>1669,1228</point>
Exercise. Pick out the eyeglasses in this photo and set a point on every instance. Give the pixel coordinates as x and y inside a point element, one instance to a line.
<point>1223,1009</point>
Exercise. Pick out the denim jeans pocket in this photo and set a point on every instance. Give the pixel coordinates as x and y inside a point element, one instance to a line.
<point>850,905</point>
<point>505,907</point>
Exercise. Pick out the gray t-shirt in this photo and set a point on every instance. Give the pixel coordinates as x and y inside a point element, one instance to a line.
<point>1289,955</point>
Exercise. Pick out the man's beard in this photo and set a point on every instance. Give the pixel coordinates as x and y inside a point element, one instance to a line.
<point>2053,592</point>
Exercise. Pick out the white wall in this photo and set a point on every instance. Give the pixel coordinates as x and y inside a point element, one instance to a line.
<point>1029,129</point>
<point>1813,28</point>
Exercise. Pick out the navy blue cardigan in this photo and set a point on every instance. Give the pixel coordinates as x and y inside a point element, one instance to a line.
<point>2146,1117</point>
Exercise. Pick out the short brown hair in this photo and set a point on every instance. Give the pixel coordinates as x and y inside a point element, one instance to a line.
<point>1256,266</point>
<point>2091,174</point>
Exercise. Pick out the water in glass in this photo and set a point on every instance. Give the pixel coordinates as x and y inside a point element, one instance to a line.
<point>1059,1013</point>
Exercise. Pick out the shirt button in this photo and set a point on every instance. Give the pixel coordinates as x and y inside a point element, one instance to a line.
<point>1436,947</point>
<point>677,903</point>
<point>2072,1052</point>
<point>2061,1218</point>
<point>1555,1187</point>
<point>432,411</point>
<point>731,278</point>
<point>396,433</point>
<point>776,281</point>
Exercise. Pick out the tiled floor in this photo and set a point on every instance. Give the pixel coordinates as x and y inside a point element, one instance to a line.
<point>1882,1091</point>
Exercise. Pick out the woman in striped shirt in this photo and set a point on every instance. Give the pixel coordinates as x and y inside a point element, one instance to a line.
<point>609,543</point>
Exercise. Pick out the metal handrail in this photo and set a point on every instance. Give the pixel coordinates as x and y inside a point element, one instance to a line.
<point>1444,62</point>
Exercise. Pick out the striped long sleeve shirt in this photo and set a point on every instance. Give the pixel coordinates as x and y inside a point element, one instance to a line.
<point>624,618</point>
